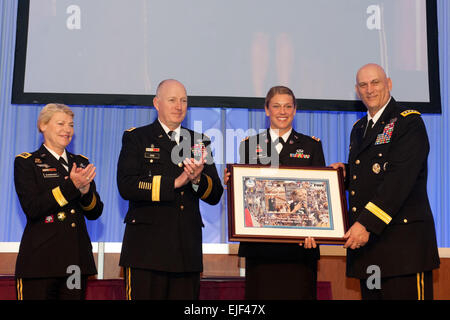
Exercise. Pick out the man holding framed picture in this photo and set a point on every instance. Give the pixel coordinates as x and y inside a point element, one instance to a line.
<point>392,227</point>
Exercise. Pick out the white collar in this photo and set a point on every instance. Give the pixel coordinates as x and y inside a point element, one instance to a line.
<point>378,114</point>
<point>177,131</point>
<point>166,129</point>
<point>274,135</point>
<point>57,156</point>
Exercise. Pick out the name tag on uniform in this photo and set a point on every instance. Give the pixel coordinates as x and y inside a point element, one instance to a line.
<point>50,173</point>
<point>152,153</point>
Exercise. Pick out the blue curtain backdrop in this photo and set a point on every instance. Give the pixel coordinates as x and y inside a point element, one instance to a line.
<point>98,132</point>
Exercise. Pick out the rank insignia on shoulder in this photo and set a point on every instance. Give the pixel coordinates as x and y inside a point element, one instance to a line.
<point>83,156</point>
<point>131,129</point>
<point>315,138</point>
<point>409,112</point>
<point>24,155</point>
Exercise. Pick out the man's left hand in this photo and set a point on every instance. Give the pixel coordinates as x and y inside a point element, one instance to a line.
<point>357,236</point>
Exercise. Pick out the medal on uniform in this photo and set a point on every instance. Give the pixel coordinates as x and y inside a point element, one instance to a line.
<point>61,216</point>
<point>299,153</point>
<point>49,219</point>
<point>376,168</point>
<point>385,136</point>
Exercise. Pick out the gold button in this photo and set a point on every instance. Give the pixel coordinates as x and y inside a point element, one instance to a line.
<point>133,221</point>
<point>182,193</point>
<point>354,177</point>
<point>182,207</point>
<point>405,220</point>
<point>380,155</point>
<point>180,164</point>
<point>357,161</point>
<point>354,209</point>
<point>352,193</point>
<point>72,211</point>
<point>73,225</point>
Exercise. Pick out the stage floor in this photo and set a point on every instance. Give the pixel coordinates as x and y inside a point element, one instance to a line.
<point>210,289</point>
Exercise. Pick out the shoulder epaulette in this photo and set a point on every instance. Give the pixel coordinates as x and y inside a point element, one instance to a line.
<point>83,156</point>
<point>409,112</point>
<point>315,138</point>
<point>356,122</point>
<point>24,155</point>
<point>131,129</point>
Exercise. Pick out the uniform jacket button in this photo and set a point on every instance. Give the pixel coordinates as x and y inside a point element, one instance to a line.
<point>354,209</point>
<point>73,225</point>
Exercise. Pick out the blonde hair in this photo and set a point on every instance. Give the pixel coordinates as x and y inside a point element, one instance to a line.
<point>49,110</point>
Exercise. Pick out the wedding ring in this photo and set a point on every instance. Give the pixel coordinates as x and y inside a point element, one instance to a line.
<point>87,178</point>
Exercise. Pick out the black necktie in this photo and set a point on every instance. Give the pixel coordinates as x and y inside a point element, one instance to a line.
<point>280,140</point>
<point>368,128</point>
<point>63,162</point>
<point>173,134</point>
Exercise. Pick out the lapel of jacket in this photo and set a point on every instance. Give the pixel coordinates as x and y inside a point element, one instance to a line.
<point>162,139</point>
<point>265,142</point>
<point>51,160</point>
<point>292,141</point>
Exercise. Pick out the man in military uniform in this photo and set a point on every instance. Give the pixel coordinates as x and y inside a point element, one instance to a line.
<point>162,245</point>
<point>392,227</point>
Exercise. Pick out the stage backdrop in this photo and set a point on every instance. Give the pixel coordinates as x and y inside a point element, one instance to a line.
<point>98,133</point>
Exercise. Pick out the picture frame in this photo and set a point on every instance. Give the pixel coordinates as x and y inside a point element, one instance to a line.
<point>286,204</point>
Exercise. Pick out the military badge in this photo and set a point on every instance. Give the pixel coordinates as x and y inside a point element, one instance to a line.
<point>49,219</point>
<point>376,168</point>
<point>61,216</point>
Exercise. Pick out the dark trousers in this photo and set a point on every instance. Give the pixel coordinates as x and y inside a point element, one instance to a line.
<point>141,284</point>
<point>49,289</point>
<point>277,280</point>
<point>417,286</point>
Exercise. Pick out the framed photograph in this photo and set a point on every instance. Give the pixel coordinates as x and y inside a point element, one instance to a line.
<point>286,204</point>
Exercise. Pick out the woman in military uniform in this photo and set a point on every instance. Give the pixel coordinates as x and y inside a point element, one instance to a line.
<point>281,270</point>
<point>57,192</point>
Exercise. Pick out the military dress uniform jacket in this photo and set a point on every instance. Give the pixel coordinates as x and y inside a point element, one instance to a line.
<point>55,234</point>
<point>300,151</point>
<point>387,183</point>
<point>163,225</point>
